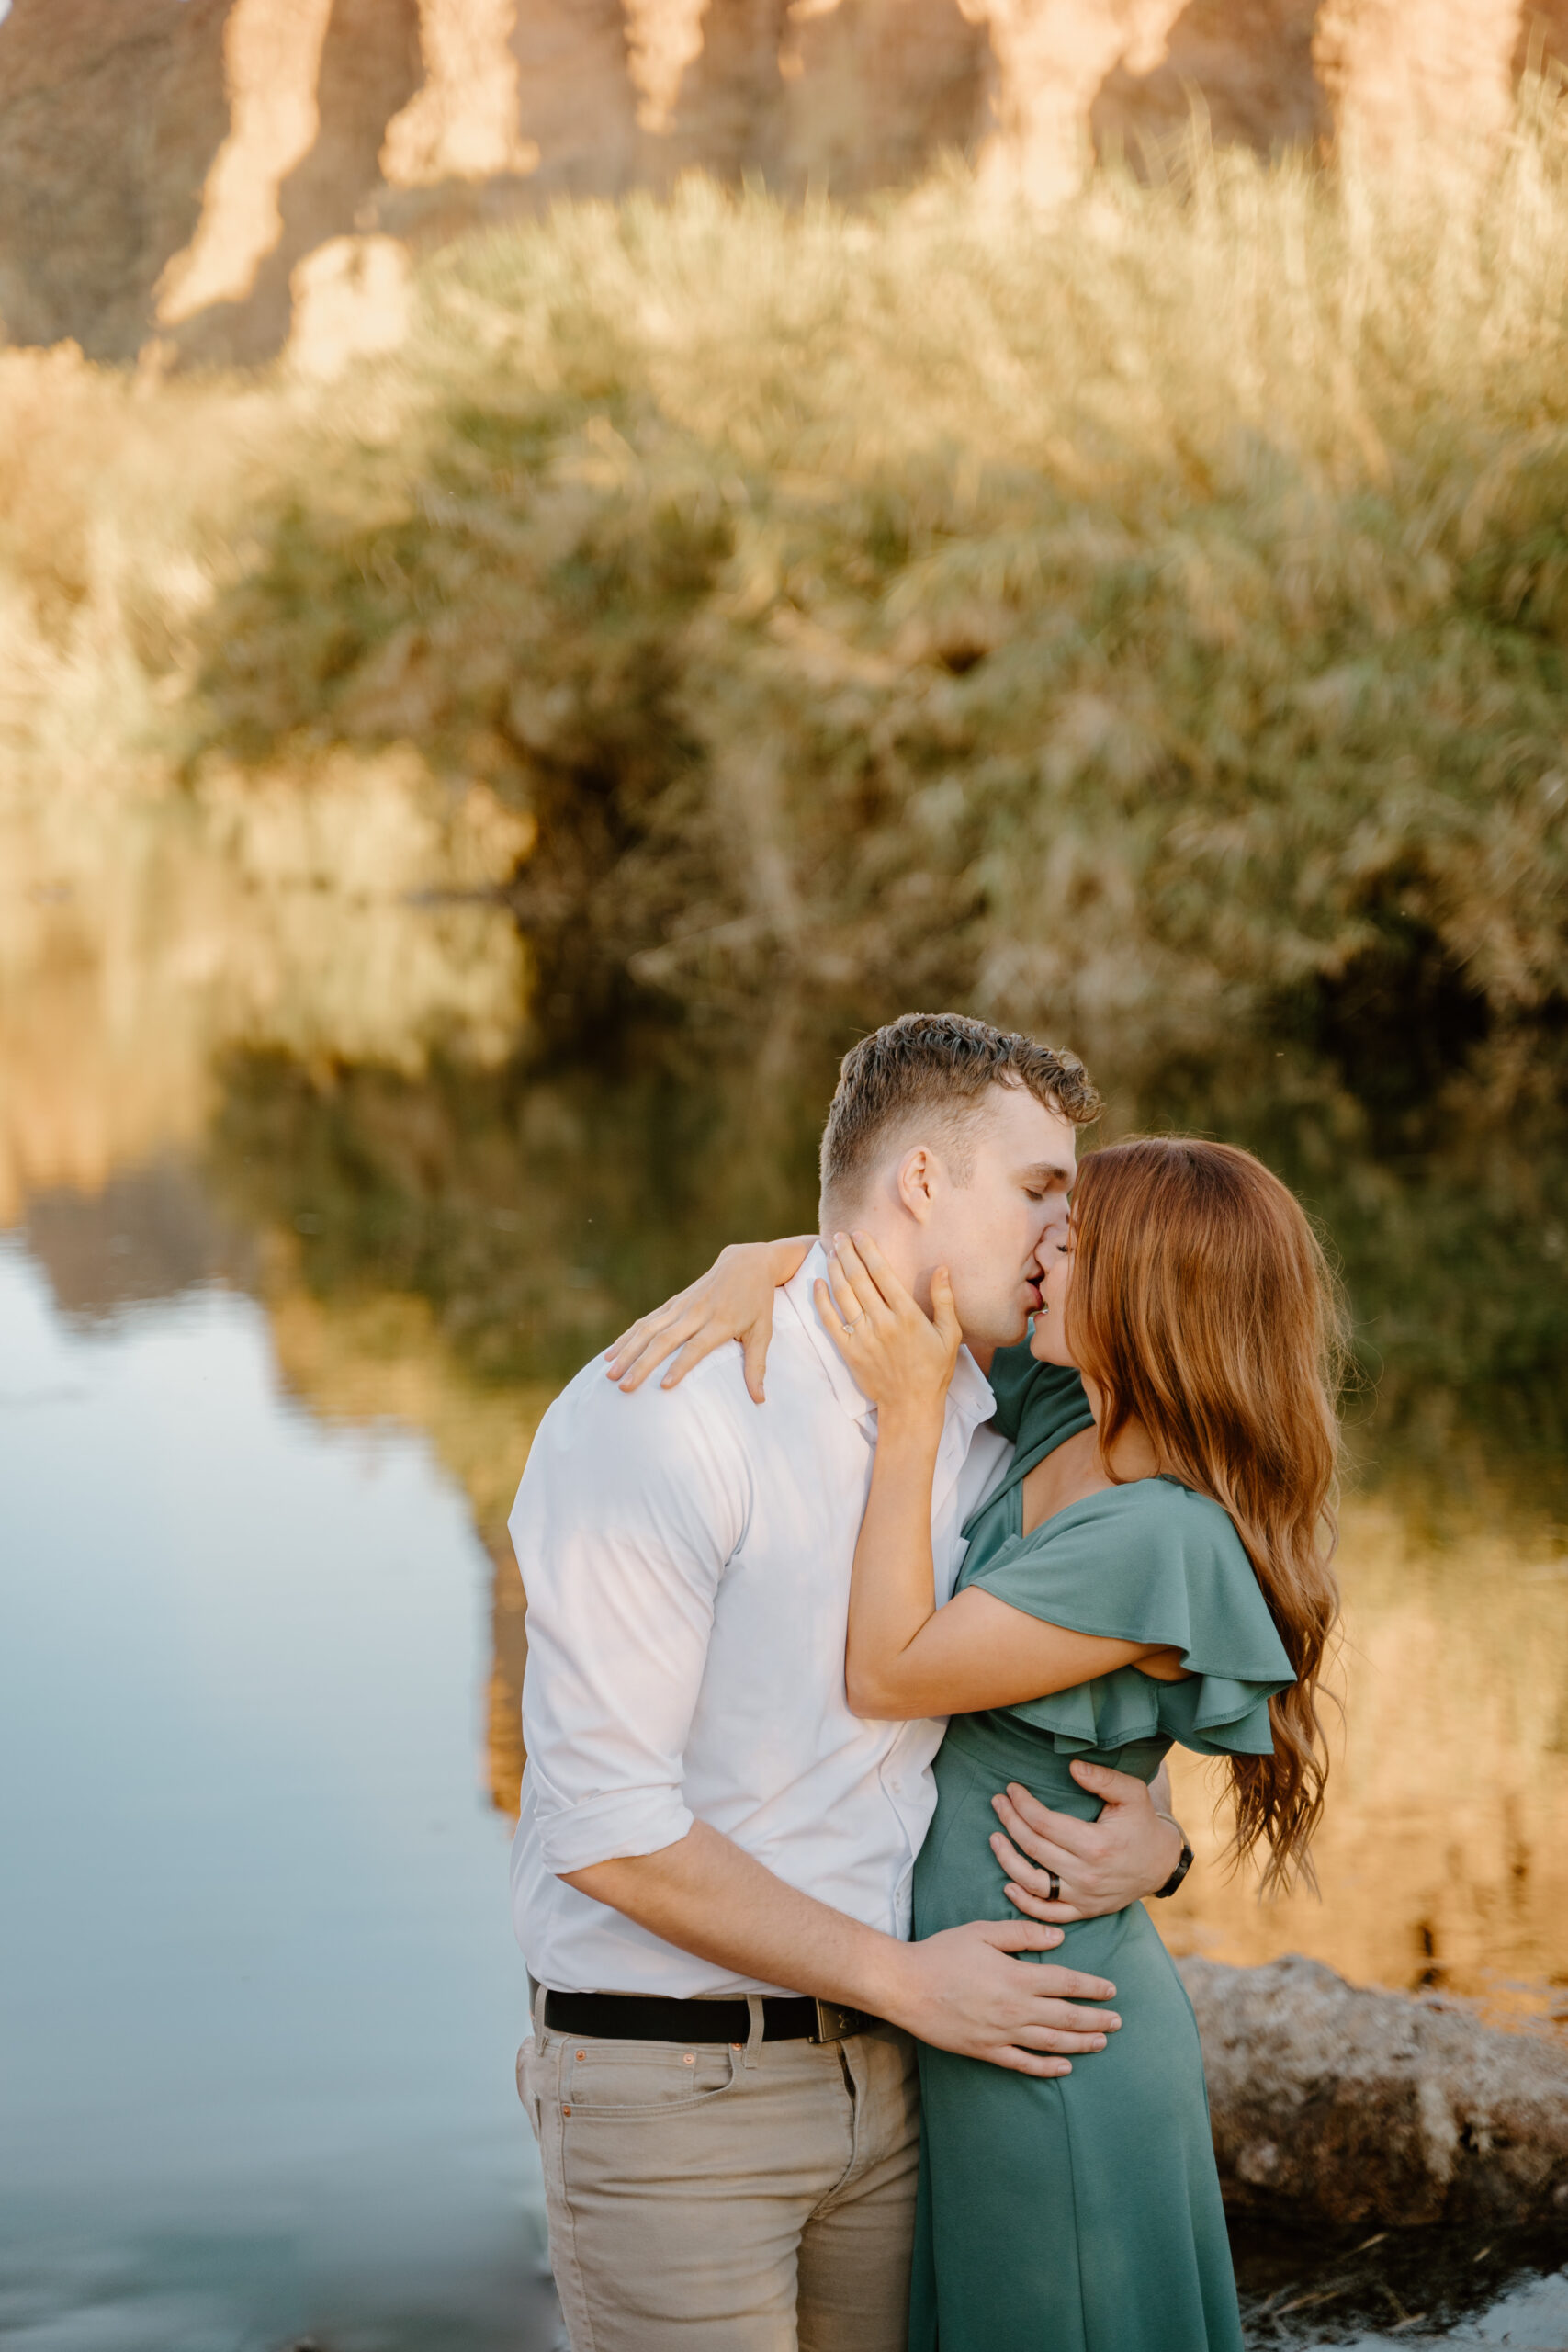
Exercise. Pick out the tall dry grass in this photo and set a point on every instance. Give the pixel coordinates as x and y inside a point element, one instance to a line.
<point>1133,622</point>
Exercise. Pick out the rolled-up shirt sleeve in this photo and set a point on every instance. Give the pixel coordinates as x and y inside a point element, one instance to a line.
<point>630,1511</point>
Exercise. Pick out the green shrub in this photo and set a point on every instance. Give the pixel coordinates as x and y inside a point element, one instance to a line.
<point>1132,622</point>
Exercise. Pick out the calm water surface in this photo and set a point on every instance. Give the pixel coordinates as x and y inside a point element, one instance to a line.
<point>290,1263</point>
<point>261,1990</point>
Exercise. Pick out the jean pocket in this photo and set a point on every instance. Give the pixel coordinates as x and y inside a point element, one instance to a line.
<point>630,2078</point>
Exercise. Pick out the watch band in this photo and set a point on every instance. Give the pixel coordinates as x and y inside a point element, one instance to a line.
<point>1184,1861</point>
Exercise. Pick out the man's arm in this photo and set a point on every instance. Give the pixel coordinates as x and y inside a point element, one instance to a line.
<point>630,1511</point>
<point>961,1990</point>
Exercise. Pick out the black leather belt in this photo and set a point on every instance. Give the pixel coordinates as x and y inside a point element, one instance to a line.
<point>636,2016</point>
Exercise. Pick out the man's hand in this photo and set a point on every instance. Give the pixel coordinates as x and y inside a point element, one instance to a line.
<point>961,1990</point>
<point>1101,1865</point>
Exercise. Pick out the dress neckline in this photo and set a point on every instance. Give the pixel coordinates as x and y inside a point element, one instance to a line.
<point>1117,1486</point>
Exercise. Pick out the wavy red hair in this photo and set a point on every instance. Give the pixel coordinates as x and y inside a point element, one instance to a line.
<point>1204,1306</point>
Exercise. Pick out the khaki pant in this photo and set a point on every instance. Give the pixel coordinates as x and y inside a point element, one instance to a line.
<point>753,2197</point>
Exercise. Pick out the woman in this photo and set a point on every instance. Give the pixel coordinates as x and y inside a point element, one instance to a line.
<point>1153,1569</point>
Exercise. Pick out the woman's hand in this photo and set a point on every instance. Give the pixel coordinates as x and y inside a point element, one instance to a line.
<point>901,1359</point>
<point>734,1300</point>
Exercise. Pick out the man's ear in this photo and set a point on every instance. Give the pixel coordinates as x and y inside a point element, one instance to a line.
<point>916,1181</point>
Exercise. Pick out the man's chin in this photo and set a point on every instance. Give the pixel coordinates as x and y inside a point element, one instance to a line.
<point>1002,1333</point>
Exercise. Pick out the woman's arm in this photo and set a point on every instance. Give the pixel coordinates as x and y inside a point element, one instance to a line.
<point>977,1652</point>
<point>904,1655</point>
<point>734,1300</point>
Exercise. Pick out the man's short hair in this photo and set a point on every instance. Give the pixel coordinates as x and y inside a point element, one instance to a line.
<point>933,1071</point>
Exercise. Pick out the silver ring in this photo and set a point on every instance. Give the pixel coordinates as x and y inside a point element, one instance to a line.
<point>855,1325</point>
<point>1052,1887</point>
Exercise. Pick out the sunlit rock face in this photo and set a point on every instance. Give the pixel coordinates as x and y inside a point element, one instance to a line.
<point>174,164</point>
<point>1403,74</point>
<point>1345,2105</point>
<point>1252,62</point>
<point>111,114</point>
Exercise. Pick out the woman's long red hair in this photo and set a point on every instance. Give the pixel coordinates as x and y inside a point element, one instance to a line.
<point>1203,1304</point>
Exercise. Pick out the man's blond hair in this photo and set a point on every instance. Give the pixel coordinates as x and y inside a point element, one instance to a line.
<point>933,1071</point>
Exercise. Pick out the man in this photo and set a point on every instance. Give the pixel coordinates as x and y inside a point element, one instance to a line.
<point>712,1869</point>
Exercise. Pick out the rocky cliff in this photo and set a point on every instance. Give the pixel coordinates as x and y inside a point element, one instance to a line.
<point>181,174</point>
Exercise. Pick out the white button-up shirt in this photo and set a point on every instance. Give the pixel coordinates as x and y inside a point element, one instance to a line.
<point>686,1555</point>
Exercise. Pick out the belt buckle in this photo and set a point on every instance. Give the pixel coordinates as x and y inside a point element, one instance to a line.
<point>835,2023</point>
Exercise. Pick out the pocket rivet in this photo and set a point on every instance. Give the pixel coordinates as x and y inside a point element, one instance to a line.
<point>689,2060</point>
<point>583,2054</point>
<point>566,2110</point>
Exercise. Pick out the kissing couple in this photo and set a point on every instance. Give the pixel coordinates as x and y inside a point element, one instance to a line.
<point>848,1696</point>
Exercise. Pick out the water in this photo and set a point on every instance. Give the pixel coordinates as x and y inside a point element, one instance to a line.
<point>262,1995</point>
<point>292,1262</point>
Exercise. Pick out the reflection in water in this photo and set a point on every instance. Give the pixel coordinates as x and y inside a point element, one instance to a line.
<point>150,1232</point>
<point>1441,1859</point>
<point>261,1995</point>
<point>140,933</point>
<point>269,1059</point>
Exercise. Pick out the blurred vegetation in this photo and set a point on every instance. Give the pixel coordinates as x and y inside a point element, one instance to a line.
<point>537,1207</point>
<point>1129,624</point>
<point>1147,624</point>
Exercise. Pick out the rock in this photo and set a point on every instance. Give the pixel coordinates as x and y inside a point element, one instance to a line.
<point>1053,57</point>
<point>1337,2103</point>
<point>351,298</point>
<point>111,113</point>
<point>170,164</point>
<point>1249,66</point>
<point>368,71</point>
<point>1403,73</point>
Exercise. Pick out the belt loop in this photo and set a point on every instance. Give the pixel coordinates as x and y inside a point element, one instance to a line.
<point>538,1991</point>
<point>755,2038</point>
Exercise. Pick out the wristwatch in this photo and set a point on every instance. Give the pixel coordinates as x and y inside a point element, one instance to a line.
<point>1184,1863</point>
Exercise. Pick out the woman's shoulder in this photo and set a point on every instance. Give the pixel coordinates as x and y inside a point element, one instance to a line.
<point>1150,1562</point>
<point>1139,1509</point>
<point>1147,1561</point>
<point>1163,1506</point>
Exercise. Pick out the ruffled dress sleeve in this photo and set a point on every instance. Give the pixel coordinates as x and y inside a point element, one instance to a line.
<point>1149,1562</point>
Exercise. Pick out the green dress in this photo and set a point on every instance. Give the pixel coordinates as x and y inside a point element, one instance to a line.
<point>1082,2213</point>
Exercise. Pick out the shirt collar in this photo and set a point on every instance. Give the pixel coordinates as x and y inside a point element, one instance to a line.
<point>970,1397</point>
